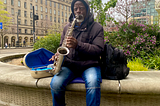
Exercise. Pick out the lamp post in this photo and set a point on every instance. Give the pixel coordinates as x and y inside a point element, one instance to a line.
<point>35,17</point>
<point>17,44</point>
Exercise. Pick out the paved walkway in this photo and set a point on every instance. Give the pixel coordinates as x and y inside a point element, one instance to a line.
<point>15,50</point>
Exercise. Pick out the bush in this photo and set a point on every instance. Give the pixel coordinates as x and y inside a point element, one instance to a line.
<point>136,65</point>
<point>153,62</point>
<point>50,42</point>
<point>136,39</point>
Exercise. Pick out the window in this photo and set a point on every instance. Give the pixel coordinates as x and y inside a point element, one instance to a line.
<point>13,30</point>
<point>19,30</point>
<point>31,6</point>
<point>31,15</point>
<point>58,20</point>
<point>25,22</point>
<point>41,1</point>
<point>25,13</point>
<point>62,6</point>
<point>5,8</point>
<point>36,1</point>
<point>5,1</point>
<point>31,22</point>
<point>46,17</point>
<point>41,16</point>
<point>62,20</point>
<point>62,13</point>
<point>19,21</point>
<point>31,31</point>
<point>54,19</point>
<point>65,7</point>
<point>51,18</point>
<point>46,9</point>
<point>65,14</point>
<point>50,11</point>
<point>41,8</point>
<point>19,3</point>
<point>54,12</point>
<point>25,30</point>
<point>36,22</point>
<point>58,13</point>
<point>55,4</point>
<point>19,12</point>
<point>25,5</point>
<point>58,5</point>
<point>69,9</point>
<point>12,11</point>
<point>50,4</point>
<point>45,2</point>
<point>12,2</point>
<point>36,8</point>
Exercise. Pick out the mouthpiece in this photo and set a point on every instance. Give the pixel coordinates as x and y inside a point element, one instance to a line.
<point>80,18</point>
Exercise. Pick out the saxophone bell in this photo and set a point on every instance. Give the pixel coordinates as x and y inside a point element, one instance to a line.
<point>62,51</point>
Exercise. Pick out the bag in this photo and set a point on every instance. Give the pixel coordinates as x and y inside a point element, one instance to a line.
<point>113,63</point>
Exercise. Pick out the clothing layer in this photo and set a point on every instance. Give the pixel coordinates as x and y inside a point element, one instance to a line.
<point>90,37</point>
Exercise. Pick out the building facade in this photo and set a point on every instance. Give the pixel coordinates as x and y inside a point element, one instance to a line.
<point>144,12</point>
<point>52,14</point>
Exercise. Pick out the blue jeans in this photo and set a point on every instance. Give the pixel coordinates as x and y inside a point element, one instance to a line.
<point>92,78</point>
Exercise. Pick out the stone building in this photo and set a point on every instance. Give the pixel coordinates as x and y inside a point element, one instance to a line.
<point>52,14</point>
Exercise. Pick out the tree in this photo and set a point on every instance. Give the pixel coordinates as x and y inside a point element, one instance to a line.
<point>100,9</point>
<point>46,27</point>
<point>123,11</point>
<point>5,19</point>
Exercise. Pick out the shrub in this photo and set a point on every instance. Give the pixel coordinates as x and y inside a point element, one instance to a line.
<point>153,62</point>
<point>136,65</point>
<point>136,39</point>
<point>50,42</point>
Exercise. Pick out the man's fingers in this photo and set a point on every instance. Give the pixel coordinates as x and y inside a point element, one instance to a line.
<point>52,59</point>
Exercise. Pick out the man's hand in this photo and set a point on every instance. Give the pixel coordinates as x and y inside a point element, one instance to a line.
<point>71,42</point>
<point>54,57</point>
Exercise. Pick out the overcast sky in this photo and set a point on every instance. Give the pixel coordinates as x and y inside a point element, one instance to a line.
<point>105,1</point>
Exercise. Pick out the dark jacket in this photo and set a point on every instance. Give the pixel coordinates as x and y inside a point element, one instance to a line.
<point>90,38</point>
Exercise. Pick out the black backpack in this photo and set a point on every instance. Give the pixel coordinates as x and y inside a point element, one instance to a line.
<point>113,63</point>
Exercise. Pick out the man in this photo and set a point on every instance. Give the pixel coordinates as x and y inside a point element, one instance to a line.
<point>85,47</point>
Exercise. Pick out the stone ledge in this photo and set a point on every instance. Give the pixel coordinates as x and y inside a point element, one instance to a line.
<point>141,82</point>
<point>137,82</point>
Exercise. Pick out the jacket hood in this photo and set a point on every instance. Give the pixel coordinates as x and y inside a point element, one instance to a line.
<point>89,16</point>
<point>86,4</point>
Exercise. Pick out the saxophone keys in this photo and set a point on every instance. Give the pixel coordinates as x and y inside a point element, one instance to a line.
<point>55,64</point>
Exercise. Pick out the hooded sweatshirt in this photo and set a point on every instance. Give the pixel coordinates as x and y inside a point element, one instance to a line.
<point>90,37</point>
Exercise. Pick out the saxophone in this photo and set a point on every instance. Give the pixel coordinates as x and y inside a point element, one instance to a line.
<point>63,50</point>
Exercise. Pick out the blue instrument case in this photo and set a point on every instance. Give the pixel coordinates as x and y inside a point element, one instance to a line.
<point>38,61</point>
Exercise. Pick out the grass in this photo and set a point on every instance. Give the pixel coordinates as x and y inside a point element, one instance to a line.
<point>136,65</point>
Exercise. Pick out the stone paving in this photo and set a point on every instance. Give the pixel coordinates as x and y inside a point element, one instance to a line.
<point>14,50</point>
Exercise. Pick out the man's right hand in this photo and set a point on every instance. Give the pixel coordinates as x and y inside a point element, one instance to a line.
<point>54,57</point>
